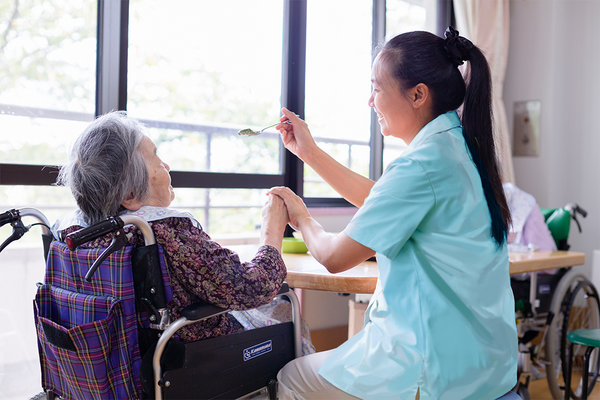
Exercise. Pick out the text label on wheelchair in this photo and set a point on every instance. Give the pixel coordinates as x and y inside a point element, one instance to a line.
<point>258,350</point>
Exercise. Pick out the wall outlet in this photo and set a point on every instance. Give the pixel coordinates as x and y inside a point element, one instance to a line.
<point>526,138</point>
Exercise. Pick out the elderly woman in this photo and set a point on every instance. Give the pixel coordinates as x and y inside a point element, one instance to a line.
<point>114,169</point>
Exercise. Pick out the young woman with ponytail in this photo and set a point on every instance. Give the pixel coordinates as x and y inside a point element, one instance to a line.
<point>441,322</point>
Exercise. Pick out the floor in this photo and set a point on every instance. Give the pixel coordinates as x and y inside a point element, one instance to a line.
<point>538,390</point>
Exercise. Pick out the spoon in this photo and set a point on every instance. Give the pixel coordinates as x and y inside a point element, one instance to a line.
<point>250,132</point>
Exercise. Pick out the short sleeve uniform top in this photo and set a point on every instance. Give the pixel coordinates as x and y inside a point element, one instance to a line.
<point>442,318</point>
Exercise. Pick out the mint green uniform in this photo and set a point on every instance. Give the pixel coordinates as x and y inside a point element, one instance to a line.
<point>442,318</point>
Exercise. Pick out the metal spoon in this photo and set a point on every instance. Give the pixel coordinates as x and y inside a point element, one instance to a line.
<point>250,132</point>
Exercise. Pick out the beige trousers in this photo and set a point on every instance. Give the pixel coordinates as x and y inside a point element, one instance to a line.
<point>300,380</point>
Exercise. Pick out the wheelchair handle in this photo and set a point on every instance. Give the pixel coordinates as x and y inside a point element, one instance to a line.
<point>110,225</point>
<point>9,217</point>
<point>13,217</point>
<point>573,209</point>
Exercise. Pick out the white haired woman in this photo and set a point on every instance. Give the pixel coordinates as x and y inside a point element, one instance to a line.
<point>114,169</point>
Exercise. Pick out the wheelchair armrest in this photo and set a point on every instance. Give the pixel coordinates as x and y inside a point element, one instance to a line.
<point>284,288</point>
<point>201,310</point>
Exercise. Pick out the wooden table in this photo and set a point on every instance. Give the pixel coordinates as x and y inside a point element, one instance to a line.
<point>305,272</point>
<point>544,259</point>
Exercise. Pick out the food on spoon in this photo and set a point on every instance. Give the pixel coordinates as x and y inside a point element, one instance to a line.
<point>248,132</point>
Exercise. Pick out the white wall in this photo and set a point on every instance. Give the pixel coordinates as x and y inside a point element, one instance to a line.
<point>21,267</point>
<point>324,310</point>
<point>333,219</point>
<point>554,56</point>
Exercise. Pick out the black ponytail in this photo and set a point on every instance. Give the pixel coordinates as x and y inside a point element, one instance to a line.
<point>421,57</point>
<point>478,132</point>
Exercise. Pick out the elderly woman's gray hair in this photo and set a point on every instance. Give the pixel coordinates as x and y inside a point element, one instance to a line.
<point>106,166</point>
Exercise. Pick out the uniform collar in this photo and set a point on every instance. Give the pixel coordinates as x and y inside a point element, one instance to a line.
<point>441,123</point>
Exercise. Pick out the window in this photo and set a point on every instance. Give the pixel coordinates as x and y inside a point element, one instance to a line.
<point>48,50</point>
<point>47,96</point>
<point>162,63</point>
<point>195,72</point>
<point>402,16</point>
<point>195,94</point>
<point>336,96</point>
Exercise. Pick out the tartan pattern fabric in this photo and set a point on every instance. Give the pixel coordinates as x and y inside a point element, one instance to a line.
<point>87,331</point>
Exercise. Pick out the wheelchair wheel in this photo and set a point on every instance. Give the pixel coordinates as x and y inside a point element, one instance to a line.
<point>575,305</point>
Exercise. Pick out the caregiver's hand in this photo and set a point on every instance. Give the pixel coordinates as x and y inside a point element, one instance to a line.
<point>296,208</point>
<point>296,136</point>
<point>336,252</point>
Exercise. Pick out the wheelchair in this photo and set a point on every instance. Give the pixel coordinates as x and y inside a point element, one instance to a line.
<point>551,306</point>
<point>104,331</point>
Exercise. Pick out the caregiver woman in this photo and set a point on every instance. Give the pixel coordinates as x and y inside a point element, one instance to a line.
<point>442,320</point>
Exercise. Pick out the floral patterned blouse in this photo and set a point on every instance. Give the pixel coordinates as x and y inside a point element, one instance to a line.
<point>200,268</point>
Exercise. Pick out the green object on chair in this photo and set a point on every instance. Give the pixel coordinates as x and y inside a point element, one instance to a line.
<point>584,337</point>
<point>559,224</point>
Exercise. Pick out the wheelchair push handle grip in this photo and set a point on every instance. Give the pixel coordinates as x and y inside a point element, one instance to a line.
<point>100,229</point>
<point>580,211</point>
<point>574,209</point>
<point>9,217</point>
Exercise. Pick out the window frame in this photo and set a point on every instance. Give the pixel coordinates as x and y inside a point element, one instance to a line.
<point>111,94</point>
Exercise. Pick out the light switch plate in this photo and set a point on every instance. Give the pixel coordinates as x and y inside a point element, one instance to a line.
<point>526,138</point>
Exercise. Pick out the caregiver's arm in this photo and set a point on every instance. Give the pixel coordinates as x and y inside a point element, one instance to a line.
<point>337,253</point>
<point>297,138</point>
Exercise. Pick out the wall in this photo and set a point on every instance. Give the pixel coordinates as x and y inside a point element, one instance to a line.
<point>314,302</point>
<point>21,267</point>
<point>554,56</point>
<point>333,219</point>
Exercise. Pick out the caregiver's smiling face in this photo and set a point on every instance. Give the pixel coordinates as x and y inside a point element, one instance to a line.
<point>395,111</point>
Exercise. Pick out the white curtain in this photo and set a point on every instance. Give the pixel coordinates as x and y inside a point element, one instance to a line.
<point>486,24</point>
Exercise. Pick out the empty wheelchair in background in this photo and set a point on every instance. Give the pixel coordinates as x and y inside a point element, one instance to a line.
<point>554,305</point>
<point>104,331</point>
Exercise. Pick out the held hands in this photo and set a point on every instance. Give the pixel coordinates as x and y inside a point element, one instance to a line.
<point>296,136</point>
<point>274,220</point>
<point>296,208</point>
<point>275,214</point>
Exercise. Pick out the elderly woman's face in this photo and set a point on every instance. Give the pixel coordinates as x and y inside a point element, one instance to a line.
<point>161,191</point>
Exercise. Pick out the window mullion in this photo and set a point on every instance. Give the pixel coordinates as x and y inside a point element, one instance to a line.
<point>293,80</point>
<point>111,67</point>
<point>376,140</point>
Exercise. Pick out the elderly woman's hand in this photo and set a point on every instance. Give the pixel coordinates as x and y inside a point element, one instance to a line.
<point>296,136</point>
<point>274,220</point>
<point>295,206</point>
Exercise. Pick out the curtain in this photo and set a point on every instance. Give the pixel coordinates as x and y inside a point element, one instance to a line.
<point>486,24</point>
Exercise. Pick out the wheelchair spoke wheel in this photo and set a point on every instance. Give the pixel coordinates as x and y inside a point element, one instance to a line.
<point>575,305</point>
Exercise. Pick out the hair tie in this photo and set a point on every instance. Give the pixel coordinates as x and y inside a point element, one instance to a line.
<point>457,47</point>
